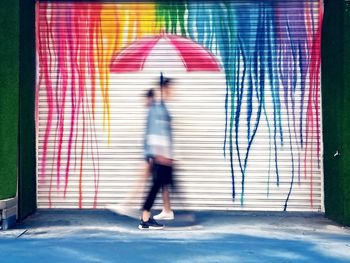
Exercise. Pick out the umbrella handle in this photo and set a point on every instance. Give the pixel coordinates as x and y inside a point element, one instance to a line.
<point>161,85</point>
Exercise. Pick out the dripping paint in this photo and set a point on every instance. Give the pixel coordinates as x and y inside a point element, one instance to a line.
<point>268,51</point>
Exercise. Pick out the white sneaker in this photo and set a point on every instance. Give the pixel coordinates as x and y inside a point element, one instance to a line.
<point>164,216</point>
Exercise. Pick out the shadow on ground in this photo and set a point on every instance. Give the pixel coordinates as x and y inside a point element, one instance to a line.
<point>101,236</point>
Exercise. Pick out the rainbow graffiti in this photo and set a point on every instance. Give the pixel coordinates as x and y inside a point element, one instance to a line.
<point>263,46</point>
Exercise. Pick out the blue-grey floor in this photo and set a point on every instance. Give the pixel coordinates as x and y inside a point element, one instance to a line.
<point>101,236</point>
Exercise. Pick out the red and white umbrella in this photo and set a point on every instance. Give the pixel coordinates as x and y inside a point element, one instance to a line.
<point>194,56</point>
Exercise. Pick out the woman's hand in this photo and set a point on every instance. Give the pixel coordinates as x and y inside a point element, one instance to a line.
<point>163,160</point>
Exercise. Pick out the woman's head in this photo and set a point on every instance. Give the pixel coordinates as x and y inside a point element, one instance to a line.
<point>165,87</point>
<point>149,97</point>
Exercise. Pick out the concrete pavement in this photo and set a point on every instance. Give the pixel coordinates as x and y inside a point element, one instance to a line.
<point>101,236</point>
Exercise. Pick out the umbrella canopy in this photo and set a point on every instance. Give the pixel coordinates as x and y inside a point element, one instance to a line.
<point>194,56</point>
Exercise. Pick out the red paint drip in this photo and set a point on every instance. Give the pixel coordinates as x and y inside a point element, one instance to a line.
<point>45,60</point>
<point>313,101</point>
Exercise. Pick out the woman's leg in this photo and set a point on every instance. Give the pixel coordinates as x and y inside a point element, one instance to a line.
<point>152,195</point>
<point>166,199</point>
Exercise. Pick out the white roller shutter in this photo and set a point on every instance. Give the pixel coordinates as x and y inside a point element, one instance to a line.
<point>91,121</point>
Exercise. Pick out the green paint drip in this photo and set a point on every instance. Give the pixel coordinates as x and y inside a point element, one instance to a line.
<point>171,14</point>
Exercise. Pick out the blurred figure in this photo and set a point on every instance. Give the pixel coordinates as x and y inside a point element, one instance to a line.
<point>140,184</point>
<point>167,213</point>
<point>159,147</point>
<point>125,207</point>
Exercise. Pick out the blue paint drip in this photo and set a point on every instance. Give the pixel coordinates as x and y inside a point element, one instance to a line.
<point>209,29</point>
<point>250,97</point>
<point>303,69</point>
<point>223,42</point>
<point>259,74</point>
<point>298,31</point>
<point>246,69</point>
<point>289,59</point>
<point>304,65</point>
<point>265,62</point>
<point>274,85</point>
<point>232,78</point>
<point>243,38</point>
<point>260,86</point>
<point>238,108</point>
<point>276,97</point>
<point>291,183</point>
<point>231,153</point>
<point>211,32</point>
<point>293,89</point>
<point>207,15</point>
<point>200,23</point>
<point>226,115</point>
<point>192,14</point>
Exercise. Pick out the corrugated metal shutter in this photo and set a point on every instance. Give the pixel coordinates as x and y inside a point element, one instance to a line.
<point>262,108</point>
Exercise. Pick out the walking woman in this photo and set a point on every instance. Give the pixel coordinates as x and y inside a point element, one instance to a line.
<point>160,147</point>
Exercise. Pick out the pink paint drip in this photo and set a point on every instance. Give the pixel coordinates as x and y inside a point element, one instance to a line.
<point>313,101</point>
<point>62,67</point>
<point>98,38</point>
<point>318,74</point>
<point>82,65</point>
<point>92,22</point>
<point>73,65</point>
<point>38,85</point>
<point>45,63</point>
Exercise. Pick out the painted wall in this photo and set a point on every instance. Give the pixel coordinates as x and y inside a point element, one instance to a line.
<point>333,105</point>
<point>336,105</point>
<point>271,55</point>
<point>9,83</point>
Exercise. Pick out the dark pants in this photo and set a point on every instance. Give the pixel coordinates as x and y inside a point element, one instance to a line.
<point>162,175</point>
